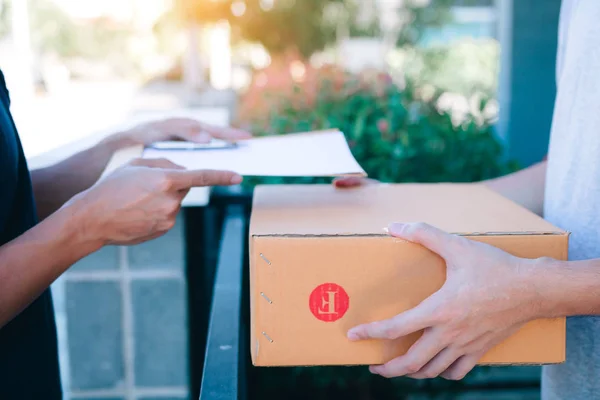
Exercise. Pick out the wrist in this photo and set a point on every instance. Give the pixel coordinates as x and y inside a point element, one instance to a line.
<point>120,140</point>
<point>545,282</point>
<point>81,223</point>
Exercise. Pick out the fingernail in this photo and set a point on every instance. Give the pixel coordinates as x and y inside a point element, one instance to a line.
<point>352,335</point>
<point>396,227</point>
<point>374,370</point>
<point>236,179</point>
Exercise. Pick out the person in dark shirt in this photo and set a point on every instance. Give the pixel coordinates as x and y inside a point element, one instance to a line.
<point>79,214</point>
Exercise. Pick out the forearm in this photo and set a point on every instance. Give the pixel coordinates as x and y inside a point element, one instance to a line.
<point>54,185</point>
<point>567,288</point>
<point>525,187</point>
<point>31,262</point>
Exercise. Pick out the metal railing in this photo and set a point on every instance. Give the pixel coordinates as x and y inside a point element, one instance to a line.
<point>227,355</point>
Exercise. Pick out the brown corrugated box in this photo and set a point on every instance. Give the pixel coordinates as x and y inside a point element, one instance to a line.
<point>321,264</point>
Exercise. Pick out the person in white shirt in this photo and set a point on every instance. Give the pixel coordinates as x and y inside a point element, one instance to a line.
<point>489,293</point>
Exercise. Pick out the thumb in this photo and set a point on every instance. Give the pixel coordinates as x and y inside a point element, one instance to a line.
<point>426,235</point>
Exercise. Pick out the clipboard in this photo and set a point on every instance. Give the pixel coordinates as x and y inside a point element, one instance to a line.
<point>305,154</point>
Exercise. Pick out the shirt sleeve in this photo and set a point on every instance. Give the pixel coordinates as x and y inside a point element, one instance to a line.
<point>4,95</point>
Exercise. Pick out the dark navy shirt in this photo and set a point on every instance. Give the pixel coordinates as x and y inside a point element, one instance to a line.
<point>28,345</point>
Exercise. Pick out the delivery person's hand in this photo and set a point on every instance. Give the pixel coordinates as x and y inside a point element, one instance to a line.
<point>487,296</point>
<point>177,129</point>
<point>352,182</point>
<point>140,201</point>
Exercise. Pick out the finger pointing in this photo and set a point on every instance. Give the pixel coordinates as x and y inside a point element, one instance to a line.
<point>197,178</point>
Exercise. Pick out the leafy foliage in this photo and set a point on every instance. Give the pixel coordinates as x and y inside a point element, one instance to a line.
<point>304,26</point>
<point>397,132</point>
<point>288,23</point>
<point>297,23</point>
<point>308,26</point>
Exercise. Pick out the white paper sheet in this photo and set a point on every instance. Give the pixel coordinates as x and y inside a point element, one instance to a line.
<point>304,154</point>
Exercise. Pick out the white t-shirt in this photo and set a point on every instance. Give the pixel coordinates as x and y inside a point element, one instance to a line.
<point>572,199</point>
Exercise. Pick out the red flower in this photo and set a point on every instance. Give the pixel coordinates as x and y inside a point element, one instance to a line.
<point>383,126</point>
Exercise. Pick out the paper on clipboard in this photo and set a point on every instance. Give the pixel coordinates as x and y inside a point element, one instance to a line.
<point>323,153</point>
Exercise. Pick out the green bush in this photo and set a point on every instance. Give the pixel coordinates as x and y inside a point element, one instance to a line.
<point>398,133</point>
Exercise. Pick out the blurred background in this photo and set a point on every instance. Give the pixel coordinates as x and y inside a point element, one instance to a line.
<point>425,91</point>
<point>124,56</point>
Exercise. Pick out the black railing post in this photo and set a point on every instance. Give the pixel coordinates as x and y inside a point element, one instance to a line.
<point>222,361</point>
<point>202,236</point>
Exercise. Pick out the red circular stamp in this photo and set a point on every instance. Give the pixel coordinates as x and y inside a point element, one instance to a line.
<point>329,302</point>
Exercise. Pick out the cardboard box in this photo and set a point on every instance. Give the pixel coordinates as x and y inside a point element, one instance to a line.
<point>322,263</point>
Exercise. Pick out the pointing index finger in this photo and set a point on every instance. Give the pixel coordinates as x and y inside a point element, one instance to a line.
<point>199,178</point>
